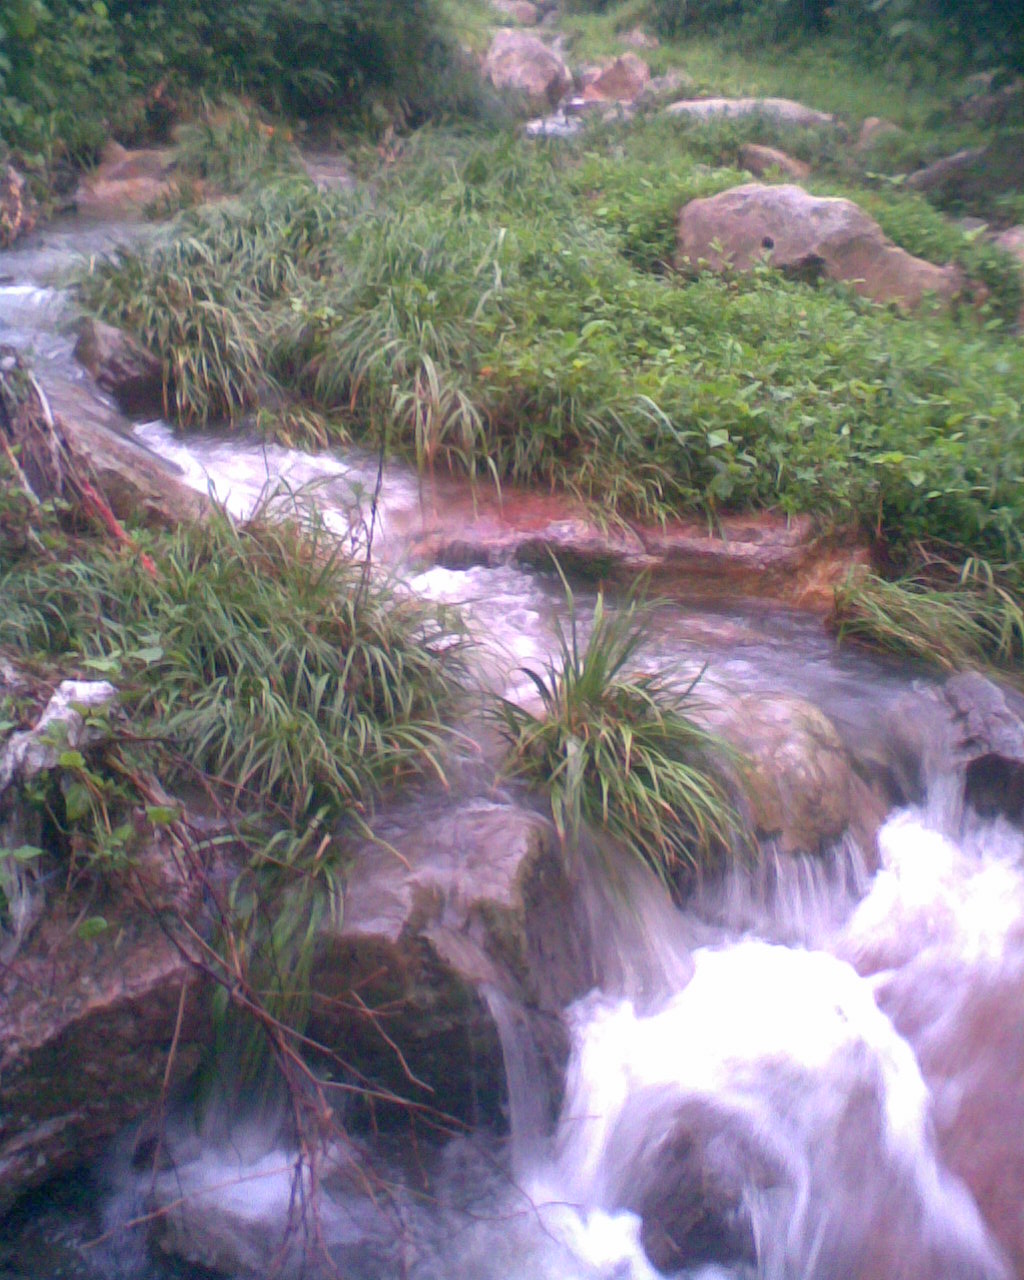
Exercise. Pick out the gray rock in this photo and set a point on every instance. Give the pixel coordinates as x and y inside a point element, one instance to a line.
<point>974,176</point>
<point>781,110</point>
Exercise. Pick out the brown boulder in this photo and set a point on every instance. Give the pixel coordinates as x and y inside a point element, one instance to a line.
<point>522,11</point>
<point>761,160</point>
<point>126,179</point>
<point>18,209</point>
<point>780,110</point>
<point>525,65</point>
<point>807,236</point>
<point>122,366</point>
<point>623,80</point>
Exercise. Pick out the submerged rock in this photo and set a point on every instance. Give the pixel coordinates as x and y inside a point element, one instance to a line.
<point>121,365</point>
<point>809,237</point>
<point>525,65</point>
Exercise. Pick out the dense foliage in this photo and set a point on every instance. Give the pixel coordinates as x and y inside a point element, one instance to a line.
<point>989,31</point>
<point>73,71</point>
<point>496,310</point>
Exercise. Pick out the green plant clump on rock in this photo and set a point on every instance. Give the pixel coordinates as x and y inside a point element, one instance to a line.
<point>620,752</point>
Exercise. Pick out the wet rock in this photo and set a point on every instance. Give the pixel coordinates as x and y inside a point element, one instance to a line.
<point>809,237</point>
<point>18,209</point>
<point>692,1190</point>
<point>762,554</point>
<point>974,176</point>
<point>761,160</point>
<point>475,898</point>
<point>800,782</point>
<point>522,11</point>
<point>86,1029</point>
<point>138,484</point>
<point>988,743</point>
<point>872,130</point>
<point>780,110</point>
<point>623,80</point>
<point>126,179</point>
<point>122,366</point>
<point>523,64</point>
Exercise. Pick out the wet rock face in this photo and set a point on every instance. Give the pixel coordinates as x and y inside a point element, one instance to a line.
<point>800,783</point>
<point>18,209</point>
<point>476,898</point>
<point>809,237</point>
<point>86,1029</point>
<point>122,366</point>
<point>525,65</point>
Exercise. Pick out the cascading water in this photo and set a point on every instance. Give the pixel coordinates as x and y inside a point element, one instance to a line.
<point>802,1077</point>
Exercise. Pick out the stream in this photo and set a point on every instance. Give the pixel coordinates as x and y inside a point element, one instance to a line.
<point>791,1079</point>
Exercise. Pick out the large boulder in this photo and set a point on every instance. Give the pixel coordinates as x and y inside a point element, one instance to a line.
<point>18,209</point>
<point>799,780</point>
<point>807,236</point>
<point>452,923</point>
<point>122,366</point>
<point>93,1030</point>
<point>779,110</point>
<point>523,64</point>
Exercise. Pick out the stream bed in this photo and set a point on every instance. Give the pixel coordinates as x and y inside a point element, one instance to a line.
<point>795,1078</point>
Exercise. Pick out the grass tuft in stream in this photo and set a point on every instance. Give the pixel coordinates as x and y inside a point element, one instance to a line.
<point>953,618</point>
<point>620,752</point>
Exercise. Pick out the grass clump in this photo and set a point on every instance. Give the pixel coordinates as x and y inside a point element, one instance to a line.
<point>949,618</point>
<point>257,654</point>
<point>620,752</point>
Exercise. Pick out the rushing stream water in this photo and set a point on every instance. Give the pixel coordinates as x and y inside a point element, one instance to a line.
<point>757,1046</point>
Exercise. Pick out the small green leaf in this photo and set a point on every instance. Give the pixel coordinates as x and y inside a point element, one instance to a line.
<point>148,656</point>
<point>92,927</point>
<point>161,815</point>
<point>23,853</point>
<point>76,802</point>
<point>71,760</point>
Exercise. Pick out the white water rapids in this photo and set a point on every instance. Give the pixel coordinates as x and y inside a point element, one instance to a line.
<point>791,1085</point>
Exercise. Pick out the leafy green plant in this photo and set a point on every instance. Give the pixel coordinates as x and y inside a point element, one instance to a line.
<point>620,751</point>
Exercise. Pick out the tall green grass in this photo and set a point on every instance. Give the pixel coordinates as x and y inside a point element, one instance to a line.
<point>619,751</point>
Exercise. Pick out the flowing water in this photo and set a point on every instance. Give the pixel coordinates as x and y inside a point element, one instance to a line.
<point>774,1083</point>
